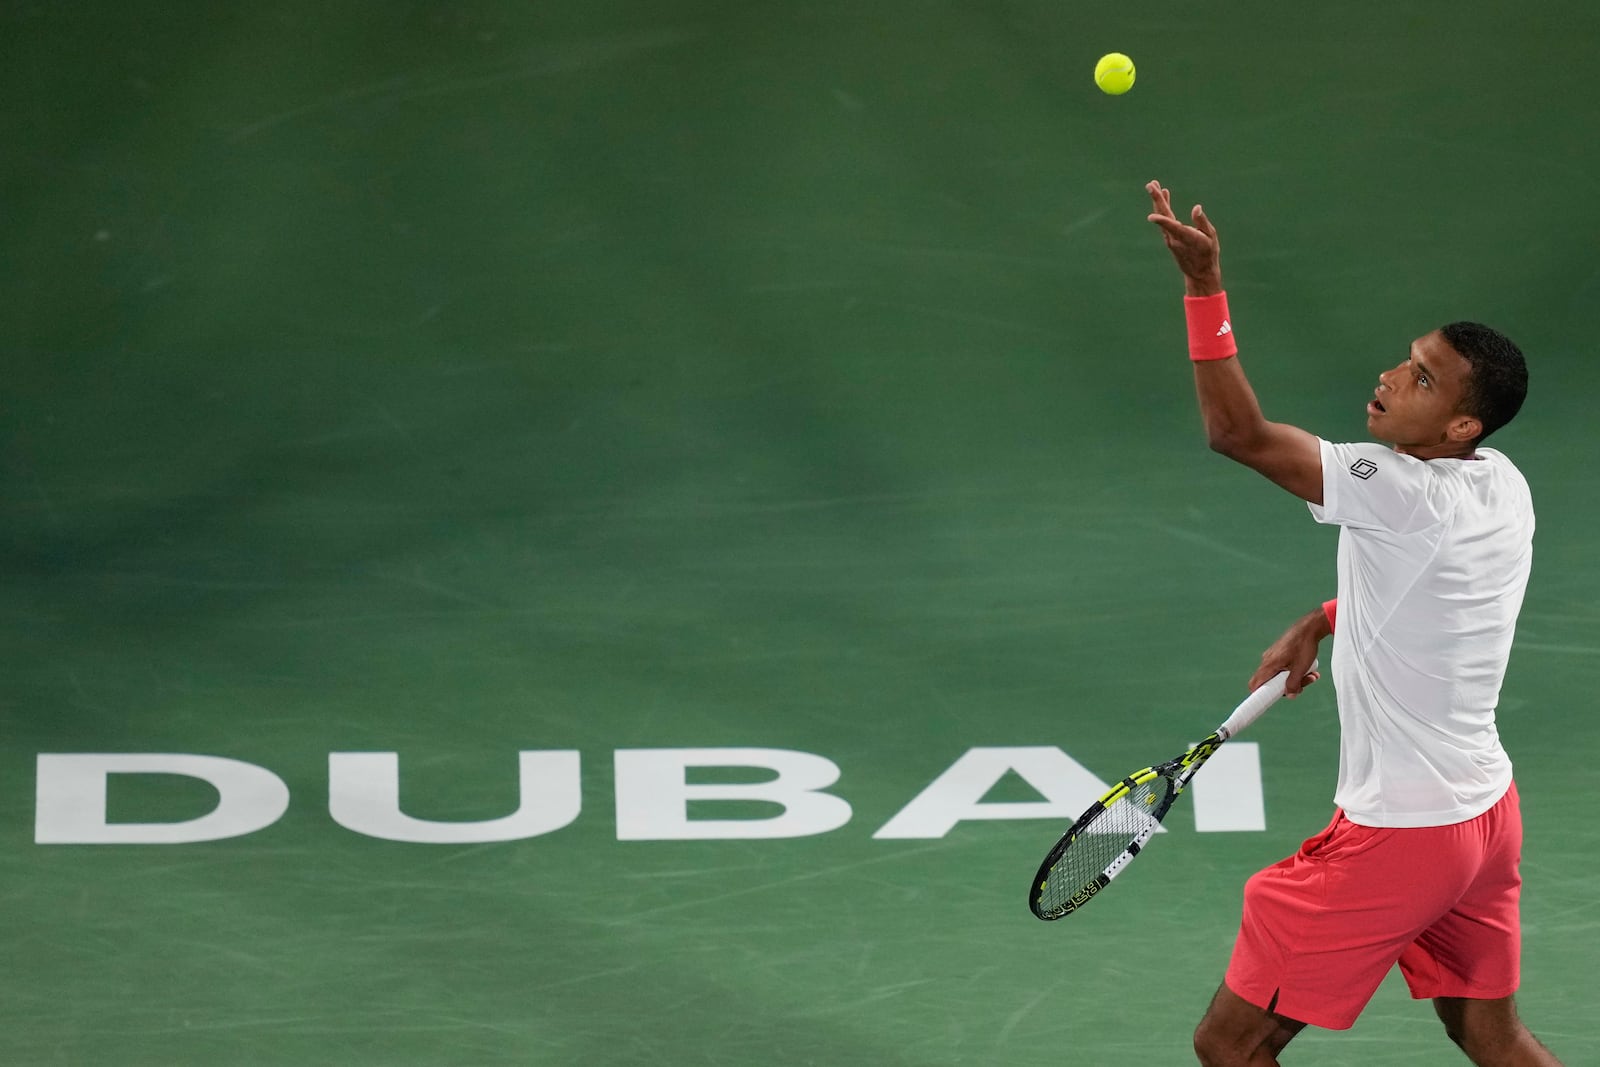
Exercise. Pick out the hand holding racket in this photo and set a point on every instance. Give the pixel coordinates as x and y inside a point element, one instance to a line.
<point>1107,837</point>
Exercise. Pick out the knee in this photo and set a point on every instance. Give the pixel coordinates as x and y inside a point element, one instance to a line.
<point>1489,1032</point>
<point>1210,1047</point>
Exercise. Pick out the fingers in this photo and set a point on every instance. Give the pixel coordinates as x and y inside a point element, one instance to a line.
<point>1161,207</point>
<point>1298,679</point>
<point>1300,676</point>
<point>1169,224</point>
<point>1160,199</point>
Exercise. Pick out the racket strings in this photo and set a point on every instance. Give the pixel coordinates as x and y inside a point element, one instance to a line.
<point>1104,840</point>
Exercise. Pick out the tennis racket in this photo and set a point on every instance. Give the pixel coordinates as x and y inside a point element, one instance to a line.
<point>1115,829</point>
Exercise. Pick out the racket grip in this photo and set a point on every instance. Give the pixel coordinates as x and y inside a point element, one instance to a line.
<point>1256,704</point>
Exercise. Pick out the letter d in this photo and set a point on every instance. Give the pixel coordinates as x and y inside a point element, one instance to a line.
<point>71,799</point>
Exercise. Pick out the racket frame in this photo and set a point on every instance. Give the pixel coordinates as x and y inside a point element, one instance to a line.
<point>1179,770</point>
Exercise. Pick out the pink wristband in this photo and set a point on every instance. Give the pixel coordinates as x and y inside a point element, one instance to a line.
<point>1210,330</point>
<point>1331,610</point>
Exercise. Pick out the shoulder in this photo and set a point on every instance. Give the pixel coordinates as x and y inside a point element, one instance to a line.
<point>1496,468</point>
<point>1366,460</point>
<point>1371,486</point>
<point>1499,462</point>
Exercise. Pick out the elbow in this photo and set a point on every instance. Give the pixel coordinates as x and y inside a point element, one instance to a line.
<point>1234,442</point>
<point>1223,442</point>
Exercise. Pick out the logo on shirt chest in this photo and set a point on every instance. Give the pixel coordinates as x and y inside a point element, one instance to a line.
<point>1363,468</point>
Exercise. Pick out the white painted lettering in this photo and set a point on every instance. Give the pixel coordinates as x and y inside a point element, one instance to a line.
<point>653,794</point>
<point>364,796</point>
<point>1227,792</point>
<point>70,794</point>
<point>957,795</point>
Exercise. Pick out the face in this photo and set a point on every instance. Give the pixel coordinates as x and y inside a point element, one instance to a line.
<point>1417,405</point>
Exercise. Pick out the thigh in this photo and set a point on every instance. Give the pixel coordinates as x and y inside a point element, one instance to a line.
<point>1321,929</point>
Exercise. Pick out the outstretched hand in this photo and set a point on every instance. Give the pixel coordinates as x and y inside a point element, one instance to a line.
<point>1195,247</point>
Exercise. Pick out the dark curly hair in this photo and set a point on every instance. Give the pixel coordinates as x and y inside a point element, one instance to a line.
<point>1499,381</point>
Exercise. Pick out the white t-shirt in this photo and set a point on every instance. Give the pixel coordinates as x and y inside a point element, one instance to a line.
<point>1433,563</point>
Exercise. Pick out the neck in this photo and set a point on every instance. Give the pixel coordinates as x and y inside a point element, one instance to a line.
<point>1442,450</point>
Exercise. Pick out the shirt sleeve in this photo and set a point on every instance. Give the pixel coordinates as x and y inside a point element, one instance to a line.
<point>1369,486</point>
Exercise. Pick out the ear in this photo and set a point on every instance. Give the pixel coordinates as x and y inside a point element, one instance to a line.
<point>1464,428</point>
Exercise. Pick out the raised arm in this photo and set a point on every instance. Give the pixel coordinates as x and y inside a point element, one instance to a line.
<point>1235,426</point>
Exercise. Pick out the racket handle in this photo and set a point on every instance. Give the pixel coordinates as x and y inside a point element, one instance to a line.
<point>1256,704</point>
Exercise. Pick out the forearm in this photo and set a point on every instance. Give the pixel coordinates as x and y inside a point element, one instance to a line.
<point>1317,623</point>
<point>1228,406</point>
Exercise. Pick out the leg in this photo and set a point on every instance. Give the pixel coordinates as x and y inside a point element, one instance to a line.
<point>1236,1033</point>
<point>1491,1033</point>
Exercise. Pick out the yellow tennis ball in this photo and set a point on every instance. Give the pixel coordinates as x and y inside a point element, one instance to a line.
<point>1114,73</point>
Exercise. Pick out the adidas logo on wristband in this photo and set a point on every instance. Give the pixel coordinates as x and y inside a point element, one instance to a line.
<point>1210,327</point>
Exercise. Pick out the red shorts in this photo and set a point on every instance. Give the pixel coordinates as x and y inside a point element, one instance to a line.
<point>1323,927</point>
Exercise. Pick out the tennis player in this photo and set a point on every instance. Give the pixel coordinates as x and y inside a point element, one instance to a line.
<point>1420,864</point>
